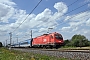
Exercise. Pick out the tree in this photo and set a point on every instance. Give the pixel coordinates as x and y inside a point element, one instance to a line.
<point>79,41</point>
<point>67,42</point>
<point>88,43</point>
<point>0,44</point>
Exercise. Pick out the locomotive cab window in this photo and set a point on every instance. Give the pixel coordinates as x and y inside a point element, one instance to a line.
<point>57,36</point>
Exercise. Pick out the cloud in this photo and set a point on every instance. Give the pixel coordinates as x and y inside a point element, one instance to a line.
<point>7,2</point>
<point>78,19</point>
<point>46,18</point>
<point>43,29</point>
<point>88,22</point>
<point>88,2</point>
<point>77,24</point>
<point>67,29</point>
<point>40,22</point>
<point>61,7</point>
<point>11,18</point>
<point>6,10</point>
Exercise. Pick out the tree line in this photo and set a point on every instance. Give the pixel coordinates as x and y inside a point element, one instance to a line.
<point>77,41</point>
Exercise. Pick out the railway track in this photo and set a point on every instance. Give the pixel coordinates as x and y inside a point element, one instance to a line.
<point>70,54</point>
<point>60,50</point>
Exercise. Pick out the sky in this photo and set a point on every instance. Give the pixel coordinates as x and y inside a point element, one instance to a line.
<point>67,17</point>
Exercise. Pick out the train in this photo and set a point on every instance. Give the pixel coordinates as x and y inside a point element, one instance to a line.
<point>51,40</point>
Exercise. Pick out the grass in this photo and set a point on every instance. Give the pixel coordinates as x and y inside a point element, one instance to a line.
<point>6,54</point>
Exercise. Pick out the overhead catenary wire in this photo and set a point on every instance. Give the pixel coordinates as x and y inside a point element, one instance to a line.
<point>27,16</point>
<point>37,5</point>
<point>33,10</point>
<point>76,15</point>
<point>77,8</point>
<point>73,3</point>
<point>73,10</point>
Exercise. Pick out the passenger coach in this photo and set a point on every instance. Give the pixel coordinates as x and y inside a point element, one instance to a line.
<point>25,43</point>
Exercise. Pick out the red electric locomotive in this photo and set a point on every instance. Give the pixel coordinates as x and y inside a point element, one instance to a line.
<point>48,40</point>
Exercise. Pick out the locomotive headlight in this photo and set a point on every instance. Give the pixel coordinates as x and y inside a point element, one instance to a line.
<point>59,41</point>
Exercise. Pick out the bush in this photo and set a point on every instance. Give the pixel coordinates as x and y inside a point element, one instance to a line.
<point>77,41</point>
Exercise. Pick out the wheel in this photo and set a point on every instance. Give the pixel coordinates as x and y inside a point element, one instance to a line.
<point>51,47</point>
<point>57,47</point>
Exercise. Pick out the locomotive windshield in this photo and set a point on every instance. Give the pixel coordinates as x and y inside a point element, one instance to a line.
<point>58,36</point>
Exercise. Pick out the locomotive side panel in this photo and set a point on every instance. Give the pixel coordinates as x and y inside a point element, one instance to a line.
<point>41,40</point>
<point>46,40</point>
<point>37,41</point>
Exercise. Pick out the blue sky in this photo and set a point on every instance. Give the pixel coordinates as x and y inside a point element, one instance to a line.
<point>64,16</point>
<point>29,5</point>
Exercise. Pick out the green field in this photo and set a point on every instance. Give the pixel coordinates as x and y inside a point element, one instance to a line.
<point>6,54</point>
